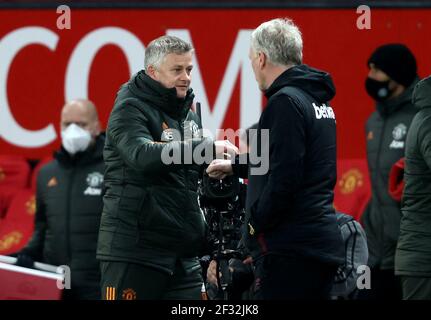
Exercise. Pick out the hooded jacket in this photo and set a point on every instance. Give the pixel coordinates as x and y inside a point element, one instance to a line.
<point>386,131</point>
<point>289,208</point>
<point>413,256</point>
<point>68,210</point>
<point>151,214</point>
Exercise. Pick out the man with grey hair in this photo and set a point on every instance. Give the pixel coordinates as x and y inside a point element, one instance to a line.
<point>291,228</point>
<point>152,229</point>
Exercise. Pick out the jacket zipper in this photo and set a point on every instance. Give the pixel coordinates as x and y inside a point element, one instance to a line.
<point>180,123</point>
<point>378,173</point>
<point>68,210</point>
<point>378,155</point>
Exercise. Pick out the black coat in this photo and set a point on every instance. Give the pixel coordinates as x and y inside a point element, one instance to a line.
<point>68,210</point>
<point>413,256</point>
<point>386,131</point>
<point>151,214</point>
<point>289,209</point>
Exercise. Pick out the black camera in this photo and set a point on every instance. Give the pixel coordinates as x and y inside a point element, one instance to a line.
<point>223,205</point>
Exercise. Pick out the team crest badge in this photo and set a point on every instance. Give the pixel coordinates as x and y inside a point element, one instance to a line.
<point>94,182</point>
<point>351,180</point>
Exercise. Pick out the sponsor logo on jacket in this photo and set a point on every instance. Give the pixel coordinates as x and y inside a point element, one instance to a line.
<point>323,112</point>
<point>398,133</point>
<point>191,130</point>
<point>94,181</point>
<point>167,135</point>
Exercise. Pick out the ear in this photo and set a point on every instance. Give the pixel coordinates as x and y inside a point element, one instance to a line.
<point>393,85</point>
<point>97,129</point>
<point>151,72</point>
<point>262,60</point>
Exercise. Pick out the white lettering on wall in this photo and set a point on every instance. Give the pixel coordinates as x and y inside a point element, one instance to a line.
<point>10,45</point>
<point>79,67</point>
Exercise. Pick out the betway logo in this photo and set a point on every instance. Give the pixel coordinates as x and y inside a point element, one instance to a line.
<point>323,111</point>
<point>78,72</point>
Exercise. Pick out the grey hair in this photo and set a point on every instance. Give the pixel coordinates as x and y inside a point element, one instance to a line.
<point>162,46</point>
<point>280,40</point>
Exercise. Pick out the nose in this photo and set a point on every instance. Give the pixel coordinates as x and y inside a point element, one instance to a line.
<point>185,76</point>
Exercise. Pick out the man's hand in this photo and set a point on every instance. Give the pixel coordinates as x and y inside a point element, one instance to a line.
<point>211,273</point>
<point>225,149</point>
<point>219,169</point>
<point>248,260</point>
<point>24,260</point>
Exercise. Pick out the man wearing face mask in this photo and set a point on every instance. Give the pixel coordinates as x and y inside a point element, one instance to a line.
<point>69,203</point>
<point>390,83</point>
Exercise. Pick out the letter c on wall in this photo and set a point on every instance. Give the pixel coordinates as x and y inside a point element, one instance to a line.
<point>10,45</point>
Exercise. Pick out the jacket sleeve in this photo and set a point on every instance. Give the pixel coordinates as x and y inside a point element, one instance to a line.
<point>240,165</point>
<point>34,248</point>
<point>424,139</point>
<point>287,146</point>
<point>128,130</point>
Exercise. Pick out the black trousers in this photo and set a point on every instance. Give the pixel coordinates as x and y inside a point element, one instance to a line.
<point>129,281</point>
<point>81,293</point>
<point>292,278</point>
<point>416,288</point>
<point>384,286</point>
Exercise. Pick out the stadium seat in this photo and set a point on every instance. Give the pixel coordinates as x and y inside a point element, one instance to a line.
<point>36,170</point>
<point>353,189</point>
<point>17,227</point>
<point>14,176</point>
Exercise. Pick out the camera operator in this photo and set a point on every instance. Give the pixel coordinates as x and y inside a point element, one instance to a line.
<point>290,226</point>
<point>242,278</point>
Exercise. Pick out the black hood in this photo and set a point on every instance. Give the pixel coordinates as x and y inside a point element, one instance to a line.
<point>316,83</point>
<point>422,94</point>
<point>163,98</point>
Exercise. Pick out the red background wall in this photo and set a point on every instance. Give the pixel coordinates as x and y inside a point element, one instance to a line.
<point>331,42</point>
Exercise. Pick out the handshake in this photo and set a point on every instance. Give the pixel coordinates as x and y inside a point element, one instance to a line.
<point>221,167</point>
<point>224,149</point>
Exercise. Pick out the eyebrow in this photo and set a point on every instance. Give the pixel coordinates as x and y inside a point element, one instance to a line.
<point>83,123</point>
<point>180,66</point>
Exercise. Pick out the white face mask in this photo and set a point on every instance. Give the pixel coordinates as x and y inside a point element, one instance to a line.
<point>75,139</point>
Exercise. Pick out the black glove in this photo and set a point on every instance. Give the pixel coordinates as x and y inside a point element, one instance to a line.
<point>24,260</point>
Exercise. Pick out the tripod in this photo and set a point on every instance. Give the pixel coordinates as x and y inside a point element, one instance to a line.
<point>222,257</point>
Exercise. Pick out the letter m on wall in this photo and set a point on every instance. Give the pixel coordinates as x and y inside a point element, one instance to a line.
<point>239,63</point>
